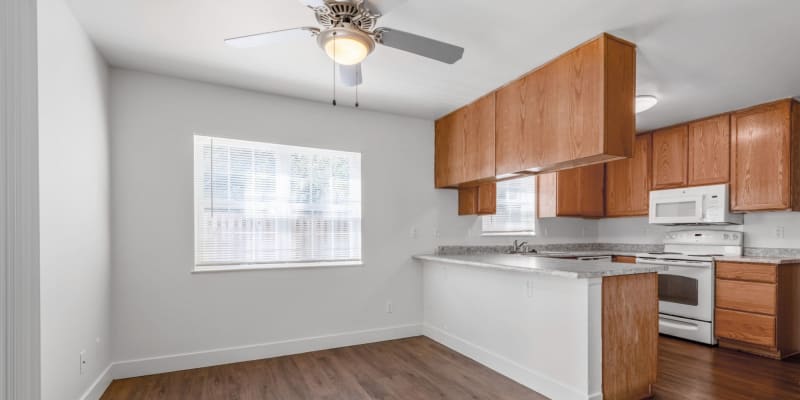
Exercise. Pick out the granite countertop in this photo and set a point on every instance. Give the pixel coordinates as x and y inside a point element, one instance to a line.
<point>759,259</point>
<point>544,265</point>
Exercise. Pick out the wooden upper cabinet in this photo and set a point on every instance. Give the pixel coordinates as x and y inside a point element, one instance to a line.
<point>628,181</point>
<point>464,148</point>
<point>670,150</point>
<point>763,139</point>
<point>479,151</point>
<point>511,147</point>
<point>450,149</point>
<point>576,192</point>
<point>479,199</point>
<point>709,151</point>
<point>575,110</point>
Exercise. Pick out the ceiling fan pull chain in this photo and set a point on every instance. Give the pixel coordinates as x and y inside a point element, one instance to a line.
<point>356,95</point>
<point>334,69</point>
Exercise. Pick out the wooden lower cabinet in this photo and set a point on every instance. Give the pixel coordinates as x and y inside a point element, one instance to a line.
<point>758,308</point>
<point>624,259</point>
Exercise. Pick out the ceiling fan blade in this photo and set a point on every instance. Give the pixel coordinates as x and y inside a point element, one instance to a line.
<point>420,45</point>
<point>350,75</point>
<point>381,7</point>
<point>260,39</point>
<point>313,3</point>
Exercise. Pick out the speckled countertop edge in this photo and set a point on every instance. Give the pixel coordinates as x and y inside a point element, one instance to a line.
<point>544,265</point>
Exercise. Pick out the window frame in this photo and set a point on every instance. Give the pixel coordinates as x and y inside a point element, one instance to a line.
<point>525,233</point>
<point>256,266</point>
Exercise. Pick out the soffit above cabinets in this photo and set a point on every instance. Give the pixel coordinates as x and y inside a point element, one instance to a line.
<point>699,58</point>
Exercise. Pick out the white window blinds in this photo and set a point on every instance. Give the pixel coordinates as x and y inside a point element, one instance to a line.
<point>516,208</point>
<point>260,203</point>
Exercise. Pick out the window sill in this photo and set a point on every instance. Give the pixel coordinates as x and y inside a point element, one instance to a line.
<point>508,234</point>
<point>257,267</point>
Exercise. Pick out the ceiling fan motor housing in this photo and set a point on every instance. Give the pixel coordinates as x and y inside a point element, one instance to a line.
<point>335,13</point>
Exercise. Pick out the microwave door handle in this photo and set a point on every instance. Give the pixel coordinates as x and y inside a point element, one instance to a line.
<point>699,208</point>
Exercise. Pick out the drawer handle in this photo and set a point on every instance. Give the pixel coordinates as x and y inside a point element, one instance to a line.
<point>677,325</point>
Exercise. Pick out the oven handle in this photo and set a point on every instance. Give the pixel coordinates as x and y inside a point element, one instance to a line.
<point>677,325</point>
<point>699,264</point>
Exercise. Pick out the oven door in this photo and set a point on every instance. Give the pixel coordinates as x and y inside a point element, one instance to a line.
<point>686,289</point>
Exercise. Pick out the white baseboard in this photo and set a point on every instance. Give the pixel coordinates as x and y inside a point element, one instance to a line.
<point>511,369</point>
<point>178,362</point>
<point>99,385</point>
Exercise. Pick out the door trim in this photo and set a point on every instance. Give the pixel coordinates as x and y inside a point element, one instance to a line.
<point>19,203</point>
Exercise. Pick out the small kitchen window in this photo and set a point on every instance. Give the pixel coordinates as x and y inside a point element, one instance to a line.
<point>516,209</point>
<point>262,205</point>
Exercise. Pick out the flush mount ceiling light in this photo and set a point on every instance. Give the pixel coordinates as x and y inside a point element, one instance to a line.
<point>346,45</point>
<point>645,102</point>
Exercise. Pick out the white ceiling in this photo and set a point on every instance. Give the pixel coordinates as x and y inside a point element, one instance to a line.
<point>698,57</point>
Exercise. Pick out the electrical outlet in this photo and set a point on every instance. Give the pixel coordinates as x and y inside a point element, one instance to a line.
<point>413,234</point>
<point>83,361</point>
<point>529,288</point>
<point>389,307</point>
<point>780,232</point>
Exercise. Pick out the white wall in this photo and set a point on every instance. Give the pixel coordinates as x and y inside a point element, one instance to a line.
<point>74,193</point>
<point>761,230</point>
<point>161,308</point>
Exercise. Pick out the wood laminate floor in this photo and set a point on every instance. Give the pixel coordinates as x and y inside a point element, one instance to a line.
<point>419,368</point>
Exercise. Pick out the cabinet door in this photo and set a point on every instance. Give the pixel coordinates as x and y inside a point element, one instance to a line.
<point>480,199</point>
<point>669,157</point>
<point>709,151</point>
<point>510,143</point>
<point>568,193</point>
<point>760,157</point>
<point>441,152</point>
<point>628,181</point>
<point>576,192</point>
<point>591,191</point>
<point>479,142</point>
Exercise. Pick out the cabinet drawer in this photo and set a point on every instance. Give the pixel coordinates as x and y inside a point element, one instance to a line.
<point>747,272</point>
<point>745,327</point>
<point>746,296</point>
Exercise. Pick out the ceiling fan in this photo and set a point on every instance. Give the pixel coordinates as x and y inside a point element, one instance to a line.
<point>349,34</point>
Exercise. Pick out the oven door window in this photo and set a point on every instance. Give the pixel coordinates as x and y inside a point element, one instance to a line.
<point>678,289</point>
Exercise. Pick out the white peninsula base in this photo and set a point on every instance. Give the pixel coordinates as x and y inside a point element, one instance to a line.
<point>550,333</point>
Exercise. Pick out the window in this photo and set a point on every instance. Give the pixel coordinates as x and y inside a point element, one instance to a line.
<point>261,205</point>
<point>516,209</point>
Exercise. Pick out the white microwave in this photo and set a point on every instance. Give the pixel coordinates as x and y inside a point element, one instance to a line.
<point>701,205</point>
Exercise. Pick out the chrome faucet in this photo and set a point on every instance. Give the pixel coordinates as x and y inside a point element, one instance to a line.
<point>518,247</point>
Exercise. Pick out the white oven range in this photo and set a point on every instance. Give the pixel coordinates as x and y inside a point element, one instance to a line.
<point>686,288</point>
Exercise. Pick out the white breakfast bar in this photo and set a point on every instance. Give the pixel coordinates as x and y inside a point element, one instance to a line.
<point>567,329</point>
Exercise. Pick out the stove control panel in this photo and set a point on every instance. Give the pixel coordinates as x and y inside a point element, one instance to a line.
<point>705,237</point>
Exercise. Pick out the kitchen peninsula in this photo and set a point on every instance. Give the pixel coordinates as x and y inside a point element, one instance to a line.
<point>568,329</point>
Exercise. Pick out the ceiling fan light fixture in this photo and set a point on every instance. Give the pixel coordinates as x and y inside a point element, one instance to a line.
<point>345,45</point>
<point>645,102</point>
